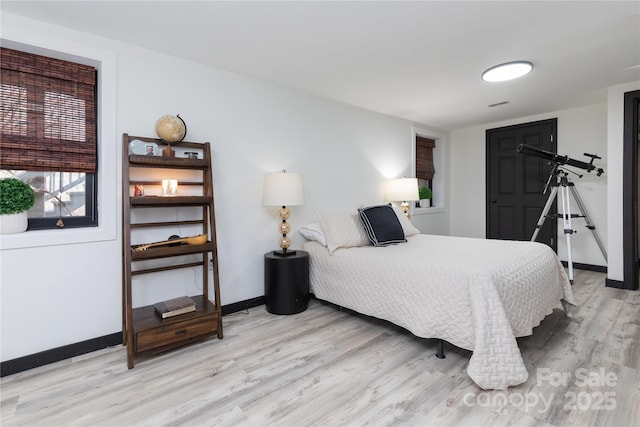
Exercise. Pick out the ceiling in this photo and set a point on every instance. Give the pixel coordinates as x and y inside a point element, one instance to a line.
<point>419,60</point>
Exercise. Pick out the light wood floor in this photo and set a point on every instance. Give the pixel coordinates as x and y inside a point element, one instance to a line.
<point>326,367</point>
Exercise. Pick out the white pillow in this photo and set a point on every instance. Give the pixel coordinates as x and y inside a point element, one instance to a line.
<point>343,229</point>
<point>314,232</point>
<point>408,228</point>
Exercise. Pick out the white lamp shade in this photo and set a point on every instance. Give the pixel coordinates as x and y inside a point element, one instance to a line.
<point>283,189</point>
<point>401,190</point>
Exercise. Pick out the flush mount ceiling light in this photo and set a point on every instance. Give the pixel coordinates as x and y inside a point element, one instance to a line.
<point>508,71</point>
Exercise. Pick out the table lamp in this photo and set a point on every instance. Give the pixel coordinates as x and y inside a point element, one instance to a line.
<point>402,190</point>
<point>283,189</point>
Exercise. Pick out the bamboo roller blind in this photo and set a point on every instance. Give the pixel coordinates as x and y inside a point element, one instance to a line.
<point>424,158</point>
<point>47,114</point>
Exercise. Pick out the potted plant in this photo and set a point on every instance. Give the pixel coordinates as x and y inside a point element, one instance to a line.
<point>424,193</point>
<point>16,198</point>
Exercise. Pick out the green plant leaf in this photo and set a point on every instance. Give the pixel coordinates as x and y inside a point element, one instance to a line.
<point>424,193</point>
<point>15,196</point>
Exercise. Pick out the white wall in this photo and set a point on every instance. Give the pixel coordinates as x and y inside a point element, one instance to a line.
<point>579,130</point>
<point>58,294</point>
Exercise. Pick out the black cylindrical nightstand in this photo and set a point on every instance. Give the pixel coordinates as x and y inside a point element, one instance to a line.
<point>286,282</point>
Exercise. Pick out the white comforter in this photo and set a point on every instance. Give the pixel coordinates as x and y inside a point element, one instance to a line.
<point>476,294</point>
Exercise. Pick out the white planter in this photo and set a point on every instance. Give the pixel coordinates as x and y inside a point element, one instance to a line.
<point>13,223</point>
<point>425,203</point>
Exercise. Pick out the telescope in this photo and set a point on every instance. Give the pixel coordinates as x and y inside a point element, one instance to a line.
<point>565,188</point>
<point>561,160</point>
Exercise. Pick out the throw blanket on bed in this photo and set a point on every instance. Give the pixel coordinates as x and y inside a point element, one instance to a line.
<point>474,293</point>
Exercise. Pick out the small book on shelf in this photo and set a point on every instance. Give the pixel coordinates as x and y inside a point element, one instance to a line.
<point>175,306</point>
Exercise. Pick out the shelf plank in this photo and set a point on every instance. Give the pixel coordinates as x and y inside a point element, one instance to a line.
<point>166,223</point>
<point>168,251</point>
<point>167,268</point>
<point>159,201</point>
<point>145,317</point>
<point>161,162</point>
<point>161,143</point>
<point>156,182</point>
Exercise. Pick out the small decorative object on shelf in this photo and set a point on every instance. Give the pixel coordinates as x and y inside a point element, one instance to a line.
<point>169,187</point>
<point>172,241</point>
<point>168,153</point>
<point>171,129</point>
<point>143,148</point>
<point>175,307</point>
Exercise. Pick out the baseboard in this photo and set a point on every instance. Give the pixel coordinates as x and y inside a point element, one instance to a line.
<point>46,357</point>
<point>621,284</point>
<point>60,353</point>
<point>242,305</point>
<point>610,283</point>
<point>588,267</point>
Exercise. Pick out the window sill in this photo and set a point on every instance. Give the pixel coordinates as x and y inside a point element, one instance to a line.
<point>38,238</point>
<point>425,211</point>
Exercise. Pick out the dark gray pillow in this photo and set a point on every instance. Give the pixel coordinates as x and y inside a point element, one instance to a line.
<point>382,225</point>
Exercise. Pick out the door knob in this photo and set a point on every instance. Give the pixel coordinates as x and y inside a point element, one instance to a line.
<point>494,201</point>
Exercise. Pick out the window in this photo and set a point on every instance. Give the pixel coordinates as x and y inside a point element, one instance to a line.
<point>425,168</point>
<point>49,136</point>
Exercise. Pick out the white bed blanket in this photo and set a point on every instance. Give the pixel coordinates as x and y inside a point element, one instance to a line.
<point>474,293</point>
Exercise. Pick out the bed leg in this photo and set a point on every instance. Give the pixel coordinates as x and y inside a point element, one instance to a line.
<point>440,353</point>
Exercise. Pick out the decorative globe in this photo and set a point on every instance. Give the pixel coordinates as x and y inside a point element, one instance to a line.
<point>171,128</point>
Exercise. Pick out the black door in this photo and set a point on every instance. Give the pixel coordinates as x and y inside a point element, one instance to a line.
<point>515,182</point>
<point>630,194</point>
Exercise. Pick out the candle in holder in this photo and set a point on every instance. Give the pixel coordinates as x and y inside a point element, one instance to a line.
<point>169,187</point>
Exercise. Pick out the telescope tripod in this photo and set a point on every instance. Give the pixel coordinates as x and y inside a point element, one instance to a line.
<point>566,187</point>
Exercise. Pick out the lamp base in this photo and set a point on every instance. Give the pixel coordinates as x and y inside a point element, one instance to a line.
<point>405,208</point>
<point>284,253</point>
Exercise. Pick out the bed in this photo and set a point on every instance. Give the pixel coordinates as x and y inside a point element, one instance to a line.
<point>474,293</point>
